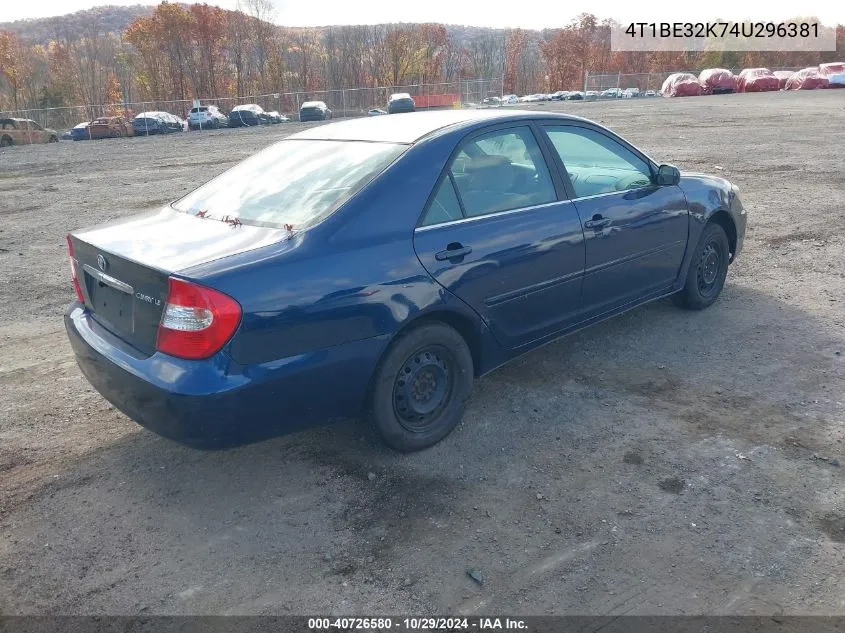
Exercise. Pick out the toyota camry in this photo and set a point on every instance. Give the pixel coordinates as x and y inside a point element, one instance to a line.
<point>373,268</point>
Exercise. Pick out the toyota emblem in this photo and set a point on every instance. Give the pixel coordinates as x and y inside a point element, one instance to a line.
<point>102,262</point>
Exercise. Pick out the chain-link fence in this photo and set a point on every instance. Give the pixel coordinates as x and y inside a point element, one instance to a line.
<point>347,102</point>
<point>597,83</point>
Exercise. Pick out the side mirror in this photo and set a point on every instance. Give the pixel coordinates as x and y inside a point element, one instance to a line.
<point>668,175</point>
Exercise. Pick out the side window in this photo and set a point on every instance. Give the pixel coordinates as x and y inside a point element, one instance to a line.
<point>596,163</point>
<point>500,171</point>
<point>444,206</point>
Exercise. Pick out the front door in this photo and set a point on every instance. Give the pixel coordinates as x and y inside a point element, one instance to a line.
<point>635,231</point>
<point>497,234</point>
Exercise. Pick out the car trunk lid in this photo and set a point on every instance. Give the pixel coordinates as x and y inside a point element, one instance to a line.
<point>123,267</point>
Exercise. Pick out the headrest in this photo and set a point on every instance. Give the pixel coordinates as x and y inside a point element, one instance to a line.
<point>492,172</point>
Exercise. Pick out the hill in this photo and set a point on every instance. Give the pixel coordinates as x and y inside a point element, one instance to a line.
<point>115,19</point>
<point>109,19</point>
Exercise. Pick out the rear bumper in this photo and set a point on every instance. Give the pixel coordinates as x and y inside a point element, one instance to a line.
<point>217,403</point>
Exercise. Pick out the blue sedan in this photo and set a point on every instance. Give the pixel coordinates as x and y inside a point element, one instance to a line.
<point>373,268</point>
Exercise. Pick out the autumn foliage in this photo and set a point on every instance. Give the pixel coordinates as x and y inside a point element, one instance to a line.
<point>180,52</point>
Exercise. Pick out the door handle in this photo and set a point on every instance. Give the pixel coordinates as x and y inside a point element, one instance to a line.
<point>455,250</point>
<point>597,222</point>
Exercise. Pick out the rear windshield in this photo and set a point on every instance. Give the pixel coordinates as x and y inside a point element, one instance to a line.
<point>200,109</point>
<point>294,182</point>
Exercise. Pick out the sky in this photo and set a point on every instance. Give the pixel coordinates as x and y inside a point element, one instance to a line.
<point>532,14</point>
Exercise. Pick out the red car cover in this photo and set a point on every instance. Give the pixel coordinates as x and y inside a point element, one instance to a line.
<point>783,76</point>
<point>681,85</point>
<point>835,73</point>
<point>807,79</point>
<point>717,81</point>
<point>757,80</point>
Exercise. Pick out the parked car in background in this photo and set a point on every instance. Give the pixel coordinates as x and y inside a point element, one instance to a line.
<point>376,112</point>
<point>492,101</point>
<point>717,81</point>
<point>248,115</point>
<point>400,102</point>
<point>510,99</point>
<point>207,117</point>
<point>835,73</point>
<point>591,95</point>
<point>560,95</point>
<point>156,122</point>
<point>630,93</point>
<point>650,93</point>
<point>79,132</point>
<point>681,85</point>
<point>757,80</point>
<point>110,127</point>
<point>575,95</point>
<point>611,93</point>
<point>807,79</point>
<point>314,111</point>
<point>25,132</point>
<point>400,283</point>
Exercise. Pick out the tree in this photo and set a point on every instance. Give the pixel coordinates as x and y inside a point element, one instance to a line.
<point>14,65</point>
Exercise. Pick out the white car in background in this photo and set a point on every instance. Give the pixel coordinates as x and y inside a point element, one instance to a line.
<point>206,117</point>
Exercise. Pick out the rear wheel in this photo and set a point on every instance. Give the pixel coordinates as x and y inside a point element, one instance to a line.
<point>707,271</point>
<point>5,141</point>
<point>421,388</point>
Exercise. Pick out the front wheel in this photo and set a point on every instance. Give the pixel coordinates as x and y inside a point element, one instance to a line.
<point>707,271</point>
<point>421,388</point>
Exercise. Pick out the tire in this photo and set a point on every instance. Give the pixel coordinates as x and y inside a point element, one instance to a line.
<point>53,139</point>
<point>435,360</point>
<point>707,270</point>
<point>6,141</point>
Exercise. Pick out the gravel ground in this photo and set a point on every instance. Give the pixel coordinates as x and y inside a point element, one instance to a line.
<point>664,462</point>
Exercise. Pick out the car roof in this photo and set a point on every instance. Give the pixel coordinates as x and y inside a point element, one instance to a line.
<point>413,126</point>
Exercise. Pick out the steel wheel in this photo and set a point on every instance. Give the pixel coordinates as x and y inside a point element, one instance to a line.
<point>422,387</point>
<point>707,271</point>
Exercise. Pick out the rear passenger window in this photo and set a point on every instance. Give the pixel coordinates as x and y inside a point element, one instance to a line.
<point>444,207</point>
<point>500,171</point>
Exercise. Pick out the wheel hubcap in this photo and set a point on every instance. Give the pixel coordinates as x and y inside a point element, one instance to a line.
<point>422,388</point>
<point>708,268</point>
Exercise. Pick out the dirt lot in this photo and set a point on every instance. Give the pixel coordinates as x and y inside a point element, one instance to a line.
<point>662,462</point>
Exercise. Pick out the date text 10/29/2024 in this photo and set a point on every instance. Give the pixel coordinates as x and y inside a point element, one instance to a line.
<point>418,624</point>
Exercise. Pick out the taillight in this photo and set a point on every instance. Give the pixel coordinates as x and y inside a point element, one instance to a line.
<point>76,285</point>
<point>196,321</point>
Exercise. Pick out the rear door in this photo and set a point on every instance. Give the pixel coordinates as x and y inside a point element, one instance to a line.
<point>635,231</point>
<point>499,233</point>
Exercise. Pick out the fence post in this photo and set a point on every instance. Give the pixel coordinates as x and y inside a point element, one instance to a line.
<point>586,81</point>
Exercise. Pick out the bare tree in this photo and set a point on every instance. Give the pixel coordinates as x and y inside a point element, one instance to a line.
<point>262,13</point>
